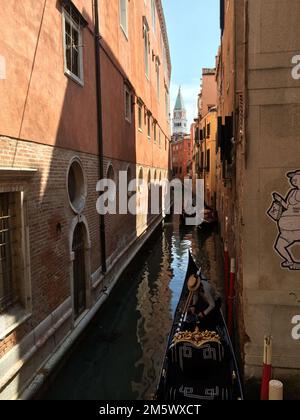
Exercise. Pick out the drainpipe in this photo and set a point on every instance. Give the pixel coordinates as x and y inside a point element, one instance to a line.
<point>100,128</point>
<point>235,80</point>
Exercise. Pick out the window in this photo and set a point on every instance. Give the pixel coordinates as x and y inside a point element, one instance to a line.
<point>77,189</point>
<point>154,129</point>
<point>127,97</point>
<point>167,103</point>
<point>124,16</point>
<point>157,64</point>
<point>153,11</point>
<point>208,130</point>
<point>8,289</point>
<point>15,294</point>
<point>73,44</point>
<point>148,127</point>
<point>140,116</point>
<point>208,161</point>
<point>146,47</point>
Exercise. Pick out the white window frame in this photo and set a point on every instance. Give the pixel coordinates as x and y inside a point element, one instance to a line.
<point>167,100</point>
<point>146,50</point>
<point>153,15</point>
<point>128,117</point>
<point>149,127</point>
<point>157,71</point>
<point>140,114</point>
<point>125,30</point>
<point>67,18</point>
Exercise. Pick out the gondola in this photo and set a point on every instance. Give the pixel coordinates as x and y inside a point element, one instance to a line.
<point>209,219</point>
<point>198,365</point>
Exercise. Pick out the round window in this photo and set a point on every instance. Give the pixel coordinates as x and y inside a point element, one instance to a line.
<point>77,189</point>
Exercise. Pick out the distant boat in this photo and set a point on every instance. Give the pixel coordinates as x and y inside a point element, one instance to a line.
<point>209,218</point>
<point>198,365</point>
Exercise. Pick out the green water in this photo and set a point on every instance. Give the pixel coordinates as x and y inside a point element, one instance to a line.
<point>120,355</point>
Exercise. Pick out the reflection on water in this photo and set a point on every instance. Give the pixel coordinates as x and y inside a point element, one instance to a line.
<point>120,356</point>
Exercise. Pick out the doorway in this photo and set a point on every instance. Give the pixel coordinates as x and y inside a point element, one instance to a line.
<point>79,270</point>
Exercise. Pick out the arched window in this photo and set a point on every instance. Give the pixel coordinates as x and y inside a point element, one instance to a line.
<point>157,64</point>
<point>140,180</point>
<point>129,179</point>
<point>110,173</point>
<point>113,194</point>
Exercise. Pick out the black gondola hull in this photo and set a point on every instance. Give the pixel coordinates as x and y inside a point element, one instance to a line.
<point>198,365</point>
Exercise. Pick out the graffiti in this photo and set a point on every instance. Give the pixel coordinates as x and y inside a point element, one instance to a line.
<point>286,213</point>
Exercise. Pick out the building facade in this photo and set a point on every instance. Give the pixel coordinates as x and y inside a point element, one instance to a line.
<point>206,156</point>
<point>182,156</point>
<point>258,175</point>
<point>70,117</point>
<point>205,137</point>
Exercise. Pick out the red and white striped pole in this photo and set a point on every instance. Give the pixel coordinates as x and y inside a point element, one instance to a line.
<point>226,271</point>
<point>231,296</point>
<point>267,369</point>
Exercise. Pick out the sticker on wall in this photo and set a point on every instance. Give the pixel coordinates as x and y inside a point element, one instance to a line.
<point>286,213</point>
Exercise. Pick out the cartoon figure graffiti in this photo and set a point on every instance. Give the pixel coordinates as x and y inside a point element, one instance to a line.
<point>286,213</point>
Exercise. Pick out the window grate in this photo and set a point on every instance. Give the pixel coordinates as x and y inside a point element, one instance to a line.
<point>6,284</point>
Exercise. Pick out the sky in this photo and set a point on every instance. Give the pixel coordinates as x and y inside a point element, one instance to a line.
<point>194,38</point>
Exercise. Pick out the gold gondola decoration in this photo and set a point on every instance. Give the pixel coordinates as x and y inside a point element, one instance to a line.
<point>197,338</point>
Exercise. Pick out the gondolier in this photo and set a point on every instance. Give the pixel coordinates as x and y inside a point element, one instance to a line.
<point>205,302</point>
<point>199,362</point>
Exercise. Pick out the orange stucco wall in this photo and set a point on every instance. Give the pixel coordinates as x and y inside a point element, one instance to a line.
<point>40,103</point>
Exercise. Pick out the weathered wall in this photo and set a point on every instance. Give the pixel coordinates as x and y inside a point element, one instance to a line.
<point>271,293</point>
<point>256,85</point>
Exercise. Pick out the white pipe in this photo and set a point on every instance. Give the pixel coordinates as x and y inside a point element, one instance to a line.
<point>275,391</point>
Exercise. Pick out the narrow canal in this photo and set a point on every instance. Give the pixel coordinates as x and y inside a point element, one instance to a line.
<point>120,355</point>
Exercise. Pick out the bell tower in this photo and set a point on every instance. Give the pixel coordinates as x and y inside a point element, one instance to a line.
<point>179,117</point>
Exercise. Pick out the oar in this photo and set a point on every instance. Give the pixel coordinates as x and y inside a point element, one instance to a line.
<point>187,304</point>
<point>184,312</point>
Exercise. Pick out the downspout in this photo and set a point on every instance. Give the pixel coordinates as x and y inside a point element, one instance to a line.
<point>99,128</point>
<point>246,32</point>
<point>235,81</point>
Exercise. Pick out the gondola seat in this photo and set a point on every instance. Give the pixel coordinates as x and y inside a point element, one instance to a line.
<point>191,361</point>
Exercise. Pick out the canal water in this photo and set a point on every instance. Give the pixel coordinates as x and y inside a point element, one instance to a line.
<point>120,355</point>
